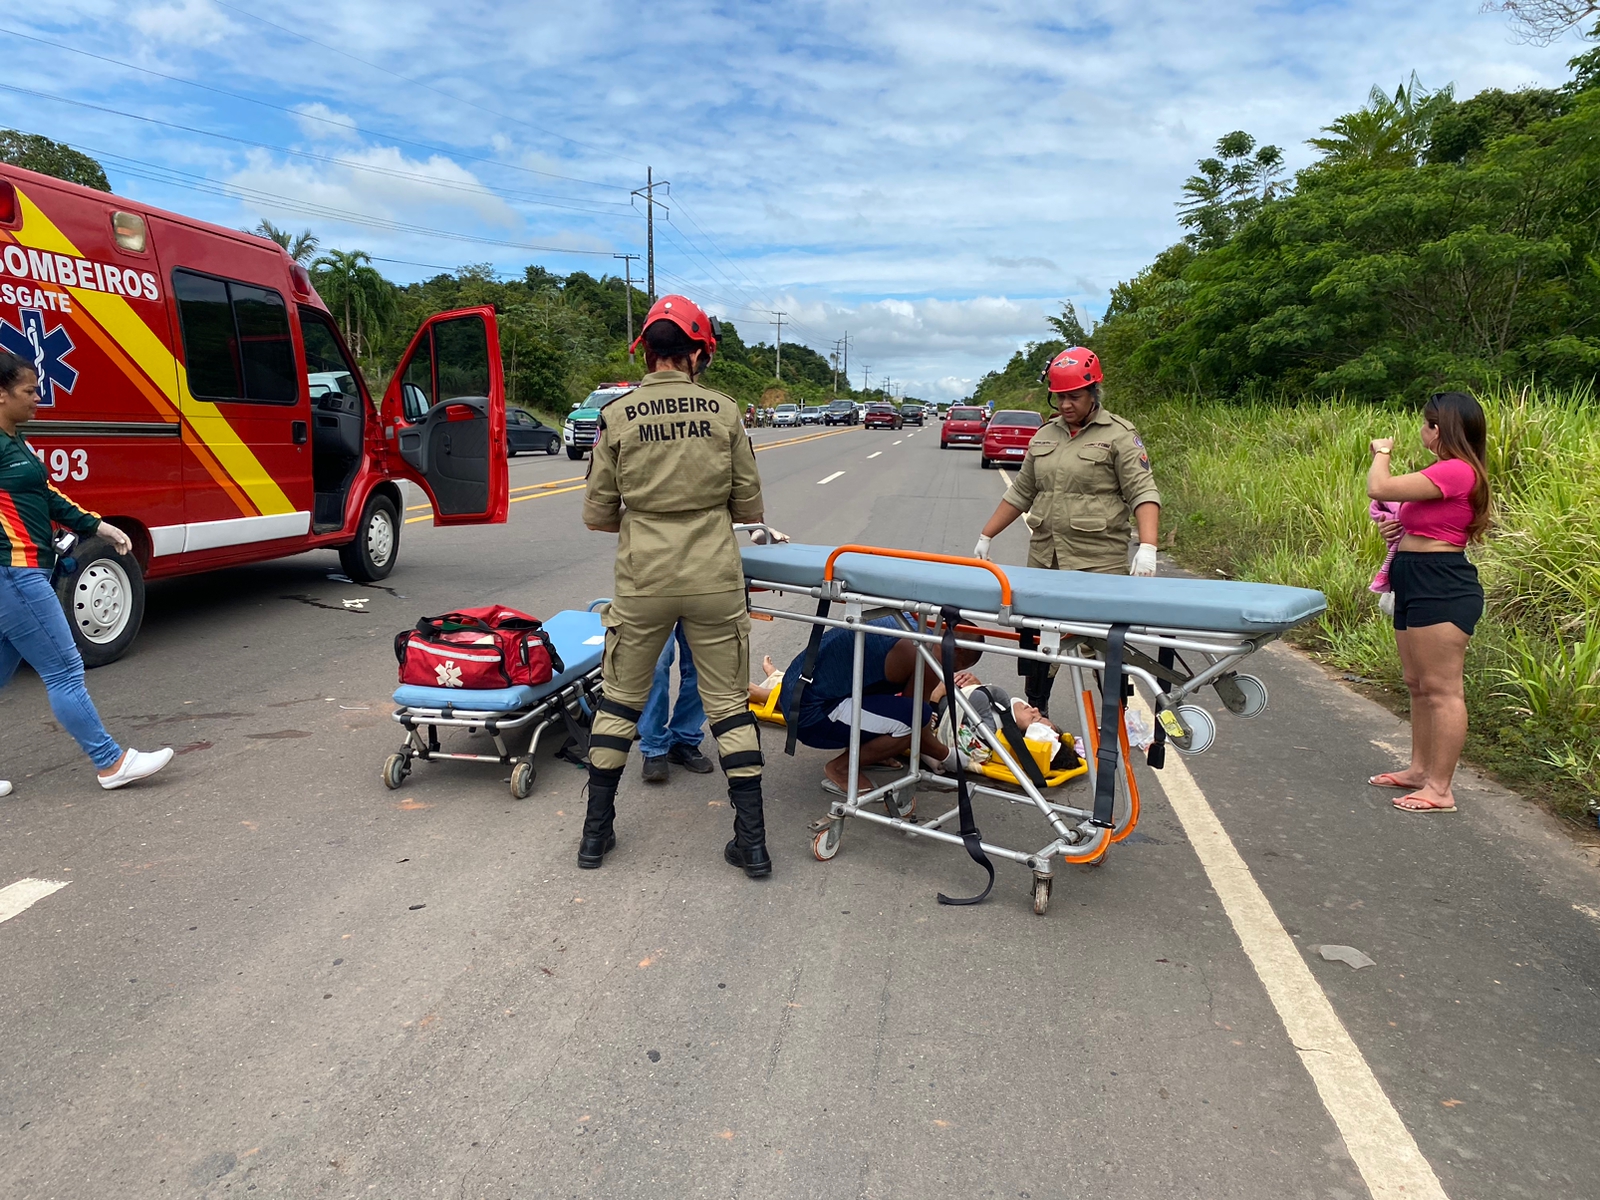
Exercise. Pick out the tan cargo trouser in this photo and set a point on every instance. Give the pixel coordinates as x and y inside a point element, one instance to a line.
<point>1047,557</point>
<point>717,627</point>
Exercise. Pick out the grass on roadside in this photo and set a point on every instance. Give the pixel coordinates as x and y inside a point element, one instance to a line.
<point>1277,493</point>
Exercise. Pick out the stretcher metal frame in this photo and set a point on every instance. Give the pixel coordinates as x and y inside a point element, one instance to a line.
<point>1152,655</point>
<point>569,706</point>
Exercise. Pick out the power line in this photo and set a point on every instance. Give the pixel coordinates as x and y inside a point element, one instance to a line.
<point>419,83</point>
<point>160,174</point>
<point>305,116</point>
<point>348,164</point>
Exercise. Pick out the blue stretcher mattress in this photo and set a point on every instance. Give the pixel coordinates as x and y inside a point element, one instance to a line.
<point>579,639</point>
<point>1211,605</point>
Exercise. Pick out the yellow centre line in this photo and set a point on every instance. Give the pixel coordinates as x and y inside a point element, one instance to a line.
<point>553,488</point>
<point>527,487</point>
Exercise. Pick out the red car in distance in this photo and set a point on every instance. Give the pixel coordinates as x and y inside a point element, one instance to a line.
<point>881,416</point>
<point>1010,430</point>
<point>963,426</point>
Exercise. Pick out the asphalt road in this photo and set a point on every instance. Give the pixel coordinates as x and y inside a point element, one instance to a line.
<point>270,975</point>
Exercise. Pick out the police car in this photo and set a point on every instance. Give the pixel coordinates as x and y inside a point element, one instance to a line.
<point>582,428</point>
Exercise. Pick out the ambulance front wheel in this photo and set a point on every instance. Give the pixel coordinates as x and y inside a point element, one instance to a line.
<point>372,555</point>
<point>574,452</point>
<point>103,597</point>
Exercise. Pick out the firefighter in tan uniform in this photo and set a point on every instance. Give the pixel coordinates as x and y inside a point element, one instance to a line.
<point>672,471</point>
<point>1085,473</point>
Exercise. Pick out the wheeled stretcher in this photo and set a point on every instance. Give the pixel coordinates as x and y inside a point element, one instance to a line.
<point>565,702</point>
<point>1174,636</point>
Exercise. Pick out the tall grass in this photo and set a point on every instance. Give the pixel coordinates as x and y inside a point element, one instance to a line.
<point>1273,492</point>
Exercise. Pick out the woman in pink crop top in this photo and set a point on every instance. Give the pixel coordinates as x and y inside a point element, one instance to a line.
<point>1437,597</point>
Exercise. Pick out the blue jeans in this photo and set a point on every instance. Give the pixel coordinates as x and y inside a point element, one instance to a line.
<point>657,735</point>
<point>33,627</point>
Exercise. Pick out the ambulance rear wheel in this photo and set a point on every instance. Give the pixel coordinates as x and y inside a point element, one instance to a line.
<point>372,555</point>
<point>103,597</point>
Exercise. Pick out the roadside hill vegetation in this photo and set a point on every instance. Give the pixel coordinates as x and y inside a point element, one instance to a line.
<point>1435,243</point>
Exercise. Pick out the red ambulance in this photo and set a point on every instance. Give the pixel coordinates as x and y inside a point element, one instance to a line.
<point>195,392</point>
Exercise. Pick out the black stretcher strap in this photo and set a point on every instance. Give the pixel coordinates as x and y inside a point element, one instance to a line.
<point>1156,757</point>
<point>1105,781</point>
<point>970,837</point>
<point>806,669</point>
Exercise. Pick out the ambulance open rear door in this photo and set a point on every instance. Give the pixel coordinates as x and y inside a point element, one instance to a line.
<point>444,417</point>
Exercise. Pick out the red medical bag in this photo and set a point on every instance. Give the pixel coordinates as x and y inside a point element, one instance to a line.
<point>479,648</point>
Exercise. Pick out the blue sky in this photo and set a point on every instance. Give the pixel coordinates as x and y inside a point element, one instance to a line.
<point>931,176</point>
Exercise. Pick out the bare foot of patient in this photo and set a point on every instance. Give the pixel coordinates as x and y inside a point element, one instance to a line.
<point>768,667</point>
<point>838,770</point>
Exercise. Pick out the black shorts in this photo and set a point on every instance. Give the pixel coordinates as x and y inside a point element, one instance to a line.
<point>1430,589</point>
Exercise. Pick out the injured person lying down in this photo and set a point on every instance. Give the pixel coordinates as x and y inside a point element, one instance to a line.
<point>826,711</point>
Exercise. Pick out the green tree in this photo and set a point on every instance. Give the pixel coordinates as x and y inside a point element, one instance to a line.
<point>301,247</point>
<point>360,298</point>
<point>34,153</point>
<point>1070,325</point>
<point>1229,189</point>
<point>1391,131</point>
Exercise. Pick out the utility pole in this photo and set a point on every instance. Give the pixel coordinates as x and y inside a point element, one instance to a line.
<point>650,203</point>
<point>846,340</point>
<point>866,377</point>
<point>834,359</point>
<point>627,294</point>
<point>777,366</point>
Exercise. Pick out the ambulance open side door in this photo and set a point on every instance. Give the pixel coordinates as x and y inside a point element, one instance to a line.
<point>444,417</point>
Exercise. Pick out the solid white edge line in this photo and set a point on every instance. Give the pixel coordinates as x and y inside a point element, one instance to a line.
<point>830,478</point>
<point>25,893</point>
<point>1378,1141</point>
<point>1006,475</point>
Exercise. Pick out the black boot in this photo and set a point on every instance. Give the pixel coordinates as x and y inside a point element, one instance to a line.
<point>1037,686</point>
<point>748,850</point>
<point>598,839</point>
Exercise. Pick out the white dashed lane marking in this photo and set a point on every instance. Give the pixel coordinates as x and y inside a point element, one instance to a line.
<point>25,893</point>
<point>875,454</point>
<point>897,443</point>
<point>830,478</point>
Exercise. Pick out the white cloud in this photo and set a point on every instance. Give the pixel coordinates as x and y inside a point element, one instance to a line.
<point>188,22</point>
<point>323,124</point>
<point>933,175</point>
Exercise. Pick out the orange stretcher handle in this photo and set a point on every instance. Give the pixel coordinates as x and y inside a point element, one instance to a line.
<point>922,556</point>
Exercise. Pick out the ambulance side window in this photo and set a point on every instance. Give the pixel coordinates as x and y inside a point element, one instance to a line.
<point>416,386</point>
<point>236,344</point>
<point>463,350</point>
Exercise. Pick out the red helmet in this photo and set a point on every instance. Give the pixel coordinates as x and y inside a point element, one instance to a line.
<point>687,316</point>
<point>1073,369</point>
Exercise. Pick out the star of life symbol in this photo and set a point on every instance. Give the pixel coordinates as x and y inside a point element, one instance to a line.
<point>47,350</point>
<point>449,674</point>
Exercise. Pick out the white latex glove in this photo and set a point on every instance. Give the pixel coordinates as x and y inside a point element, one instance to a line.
<point>1144,560</point>
<point>982,549</point>
<point>760,538</point>
<point>120,541</point>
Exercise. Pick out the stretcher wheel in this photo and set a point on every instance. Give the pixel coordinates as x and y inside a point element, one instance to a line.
<point>395,769</point>
<point>1244,695</point>
<point>1041,894</point>
<point>1202,727</point>
<point>522,777</point>
<point>826,844</point>
<point>898,804</point>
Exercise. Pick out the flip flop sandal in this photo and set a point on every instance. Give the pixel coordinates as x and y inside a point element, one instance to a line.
<point>1386,779</point>
<point>1423,807</point>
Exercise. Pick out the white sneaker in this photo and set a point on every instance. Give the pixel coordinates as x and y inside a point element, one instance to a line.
<point>136,764</point>
<point>5,787</point>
